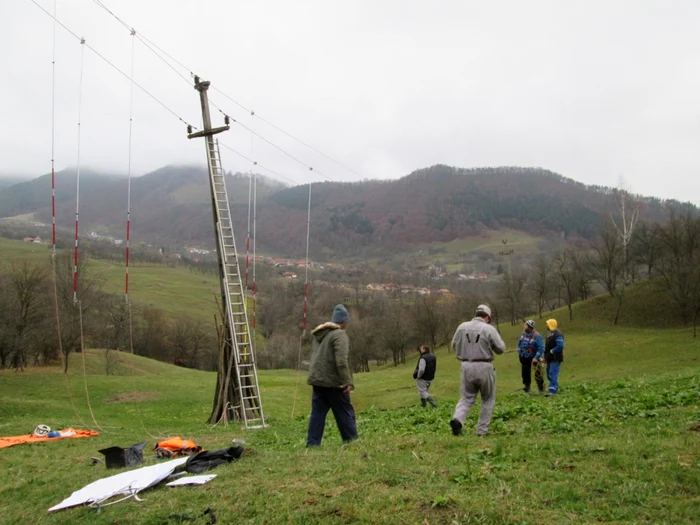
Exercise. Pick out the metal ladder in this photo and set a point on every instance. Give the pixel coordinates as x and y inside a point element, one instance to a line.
<point>250,409</point>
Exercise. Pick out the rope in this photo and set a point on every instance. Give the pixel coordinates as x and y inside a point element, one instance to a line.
<point>258,164</point>
<point>296,379</point>
<point>128,196</point>
<point>306,266</point>
<point>113,66</point>
<point>250,207</point>
<point>53,138</point>
<point>82,353</point>
<point>306,293</point>
<point>255,283</point>
<point>287,133</point>
<point>77,175</point>
<point>310,168</point>
<point>53,223</point>
<point>149,44</point>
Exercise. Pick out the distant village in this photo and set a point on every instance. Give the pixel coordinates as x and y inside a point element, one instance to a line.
<point>289,268</point>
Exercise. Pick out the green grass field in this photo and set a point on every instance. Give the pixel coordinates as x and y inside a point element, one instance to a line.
<point>174,290</point>
<point>615,447</point>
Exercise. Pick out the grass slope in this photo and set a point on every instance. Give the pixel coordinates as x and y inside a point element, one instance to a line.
<point>174,290</point>
<point>614,447</point>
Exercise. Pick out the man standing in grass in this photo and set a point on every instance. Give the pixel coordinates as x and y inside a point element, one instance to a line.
<point>424,374</point>
<point>329,374</point>
<point>475,342</point>
<point>553,355</point>
<point>530,350</point>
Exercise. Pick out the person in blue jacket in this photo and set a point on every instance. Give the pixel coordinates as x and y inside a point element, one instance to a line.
<point>553,355</point>
<point>530,350</point>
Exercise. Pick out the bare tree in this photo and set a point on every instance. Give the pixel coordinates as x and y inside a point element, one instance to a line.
<point>190,342</point>
<point>608,261</point>
<point>513,294</point>
<point>76,315</point>
<point>428,319</point>
<point>566,269</point>
<point>679,265</point>
<point>624,224</point>
<point>28,286</point>
<point>396,334</point>
<point>540,282</point>
<point>646,246</point>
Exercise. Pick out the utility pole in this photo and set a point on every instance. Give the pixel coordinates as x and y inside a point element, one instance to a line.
<point>237,393</point>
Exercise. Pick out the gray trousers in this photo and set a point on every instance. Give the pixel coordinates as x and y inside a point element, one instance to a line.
<point>423,387</point>
<point>477,378</point>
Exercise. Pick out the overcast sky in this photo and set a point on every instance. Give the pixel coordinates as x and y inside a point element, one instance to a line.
<point>589,89</point>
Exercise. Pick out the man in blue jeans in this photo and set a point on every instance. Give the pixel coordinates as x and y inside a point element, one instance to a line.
<point>553,355</point>
<point>331,379</point>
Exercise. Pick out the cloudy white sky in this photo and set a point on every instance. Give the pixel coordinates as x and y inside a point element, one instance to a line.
<point>589,89</point>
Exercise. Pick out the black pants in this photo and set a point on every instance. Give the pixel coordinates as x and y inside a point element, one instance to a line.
<point>526,371</point>
<point>323,400</point>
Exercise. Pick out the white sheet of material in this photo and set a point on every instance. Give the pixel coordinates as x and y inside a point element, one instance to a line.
<point>192,480</point>
<point>128,483</point>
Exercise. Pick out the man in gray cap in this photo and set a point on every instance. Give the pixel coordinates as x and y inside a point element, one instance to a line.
<point>475,342</point>
<point>330,376</point>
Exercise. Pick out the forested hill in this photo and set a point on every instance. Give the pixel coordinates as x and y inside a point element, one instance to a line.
<point>436,204</point>
<point>442,203</point>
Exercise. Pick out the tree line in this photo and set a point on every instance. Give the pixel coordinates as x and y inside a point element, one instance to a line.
<point>42,324</point>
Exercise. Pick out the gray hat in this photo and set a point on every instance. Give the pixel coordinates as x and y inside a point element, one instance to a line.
<point>483,308</point>
<point>340,315</point>
<point>530,323</point>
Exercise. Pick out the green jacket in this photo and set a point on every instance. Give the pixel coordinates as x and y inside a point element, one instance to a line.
<point>329,357</point>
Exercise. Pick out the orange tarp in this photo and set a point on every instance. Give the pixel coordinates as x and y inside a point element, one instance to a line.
<point>31,438</point>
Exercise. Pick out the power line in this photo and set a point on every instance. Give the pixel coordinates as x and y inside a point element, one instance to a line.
<point>255,163</point>
<point>125,75</point>
<point>310,168</point>
<point>151,45</point>
<point>287,133</point>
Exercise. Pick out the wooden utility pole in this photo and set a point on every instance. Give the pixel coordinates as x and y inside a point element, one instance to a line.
<point>237,393</point>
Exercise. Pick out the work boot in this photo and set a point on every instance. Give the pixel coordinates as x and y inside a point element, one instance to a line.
<point>432,402</point>
<point>540,388</point>
<point>423,402</point>
<point>456,427</point>
<point>527,389</point>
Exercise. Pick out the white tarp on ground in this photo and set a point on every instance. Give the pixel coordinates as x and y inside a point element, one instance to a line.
<point>192,480</point>
<point>127,483</point>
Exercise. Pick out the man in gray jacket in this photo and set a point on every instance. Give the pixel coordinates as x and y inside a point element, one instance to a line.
<point>475,342</point>
<point>330,376</point>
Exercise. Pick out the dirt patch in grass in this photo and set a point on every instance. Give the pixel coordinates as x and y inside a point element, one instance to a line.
<point>132,397</point>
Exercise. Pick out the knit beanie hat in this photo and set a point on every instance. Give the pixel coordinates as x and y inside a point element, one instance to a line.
<point>340,315</point>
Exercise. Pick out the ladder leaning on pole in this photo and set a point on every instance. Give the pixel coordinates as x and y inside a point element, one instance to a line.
<point>236,322</point>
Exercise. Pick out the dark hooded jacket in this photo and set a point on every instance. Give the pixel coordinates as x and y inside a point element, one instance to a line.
<point>330,366</point>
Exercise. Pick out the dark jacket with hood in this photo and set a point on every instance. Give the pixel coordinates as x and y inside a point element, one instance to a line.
<point>330,366</point>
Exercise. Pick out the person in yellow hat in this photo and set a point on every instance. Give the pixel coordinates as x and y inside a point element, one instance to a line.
<point>553,355</point>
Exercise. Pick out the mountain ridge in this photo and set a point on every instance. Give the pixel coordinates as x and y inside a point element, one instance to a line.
<point>439,203</point>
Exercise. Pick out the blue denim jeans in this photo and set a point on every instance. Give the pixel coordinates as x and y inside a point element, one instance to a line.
<point>323,400</point>
<point>553,376</point>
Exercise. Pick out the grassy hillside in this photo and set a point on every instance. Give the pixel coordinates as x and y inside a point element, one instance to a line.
<point>647,303</point>
<point>614,447</point>
<point>11,250</point>
<point>174,290</point>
